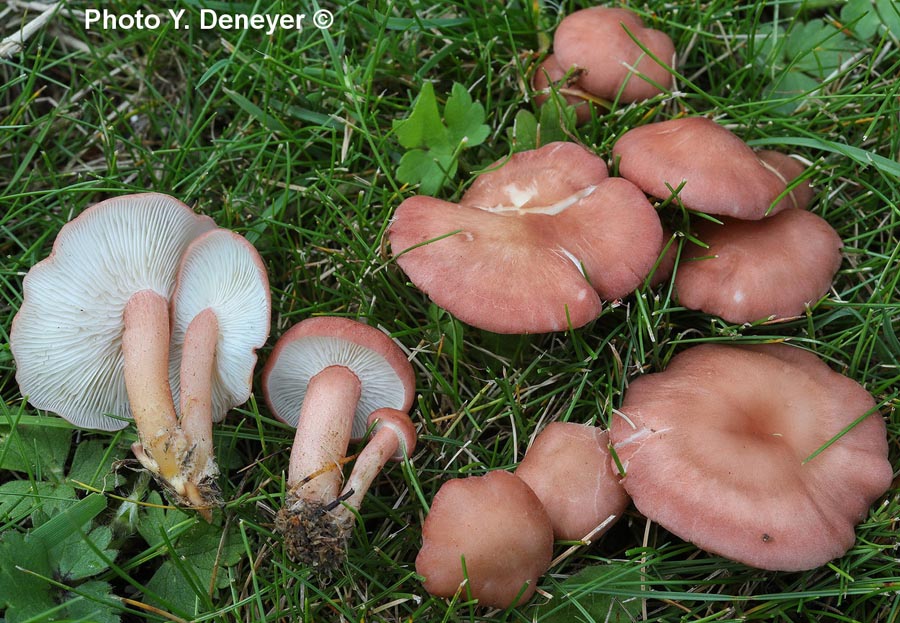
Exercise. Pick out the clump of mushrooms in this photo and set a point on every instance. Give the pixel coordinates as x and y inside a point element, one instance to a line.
<point>92,337</point>
<point>329,376</point>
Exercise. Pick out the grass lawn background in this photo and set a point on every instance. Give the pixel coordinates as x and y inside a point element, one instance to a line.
<point>288,140</point>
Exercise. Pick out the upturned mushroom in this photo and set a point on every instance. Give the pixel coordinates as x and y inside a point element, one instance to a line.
<point>716,172</point>
<point>533,246</point>
<point>598,41</point>
<point>757,270</point>
<point>91,339</point>
<point>325,376</point>
<point>486,538</point>
<point>568,466</point>
<point>761,454</point>
<point>220,316</point>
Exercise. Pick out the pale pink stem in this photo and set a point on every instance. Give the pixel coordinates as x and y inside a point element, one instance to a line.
<point>381,447</point>
<point>323,434</point>
<point>145,348</point>
<point>198,358</point>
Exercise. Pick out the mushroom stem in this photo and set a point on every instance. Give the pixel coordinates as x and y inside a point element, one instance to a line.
<point>381,447</point>
<point>145,348</point>
<point>323,434</point>
<point>197,364</point>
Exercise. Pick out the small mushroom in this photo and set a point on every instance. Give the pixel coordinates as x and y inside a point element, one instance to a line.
<point>393,439</point>
<point>568,466</point>
<point>220,316</point>
<point>91,339</point>
<point>727,449</point>
<point>598,41</point>
<point>753,270</point>
<point>486,537</point>
<point>533,245</point>
<point>325,376</point>
<point>717,172</point>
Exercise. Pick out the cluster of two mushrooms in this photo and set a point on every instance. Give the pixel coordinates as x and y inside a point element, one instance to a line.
<point>145,310</point>
<point>334,379</point>
<point>491,537</point>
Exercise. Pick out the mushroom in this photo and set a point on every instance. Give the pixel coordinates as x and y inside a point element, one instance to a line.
<point>533,245</point>
<point>598,40</point>
<point>751,270</point>
<point>568,466</point>
<point>325,376</point>
<point>790,170</point>
<point>393,439</point>
<point>487,537</point>
<point>91,339</point>
<point>717,172</point>
<point>220,316</point>
<point>729,448</point>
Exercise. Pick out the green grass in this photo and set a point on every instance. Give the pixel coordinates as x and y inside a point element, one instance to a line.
<point>288,140</point>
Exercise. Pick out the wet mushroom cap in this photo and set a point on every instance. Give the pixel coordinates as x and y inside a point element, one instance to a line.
<point>568,466</point>
<point>752,270</point>
<point>717,449</point>
<point>67,336</point>
<point>385,375</point>
<point>719,172</point>
<point>223,272</point>
<point>597,40</point>
<point>497,527</point>
<point>533,245</point>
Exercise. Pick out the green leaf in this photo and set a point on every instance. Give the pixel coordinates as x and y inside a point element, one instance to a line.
<point>861,156</point>
<point>791,86</point>
<point>523,134</point>
<point>268,121</point>
<point>38,450</point>
<point>582,597</point>
<point>69,521</point>
<point>430,169</point>
<point>465,118</point>
<point>423,127</point>
<point>76,559</point>
<point>557,121</point>
<point>860,17</point>
<point>93,465</point>
<point>819,48</point>
<point>23,594</point>
<point>184,583</point>
<point>889,11</point>
<point>160,524</point>
<point>93,603</point>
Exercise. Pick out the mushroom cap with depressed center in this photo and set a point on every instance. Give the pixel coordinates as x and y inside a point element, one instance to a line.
<point>385,374</point>
<point>494,525</point>
<point>67,336</point>
<point>568,466</point>
<point>533,246</point>
<point>720,174</point>
<point>753,270</point>
<point>223,272</point>
<point>716,449</point>
<point>597,40</point>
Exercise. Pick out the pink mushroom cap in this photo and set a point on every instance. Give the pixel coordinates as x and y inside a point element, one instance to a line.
<point>597,40</point>
<point>533,246</point>
<point>719,172</point>
<point>550,73</point>
<point>753,270</point>
<point>717,449</point>
<point>494,525</point>
<point>568,466</point>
